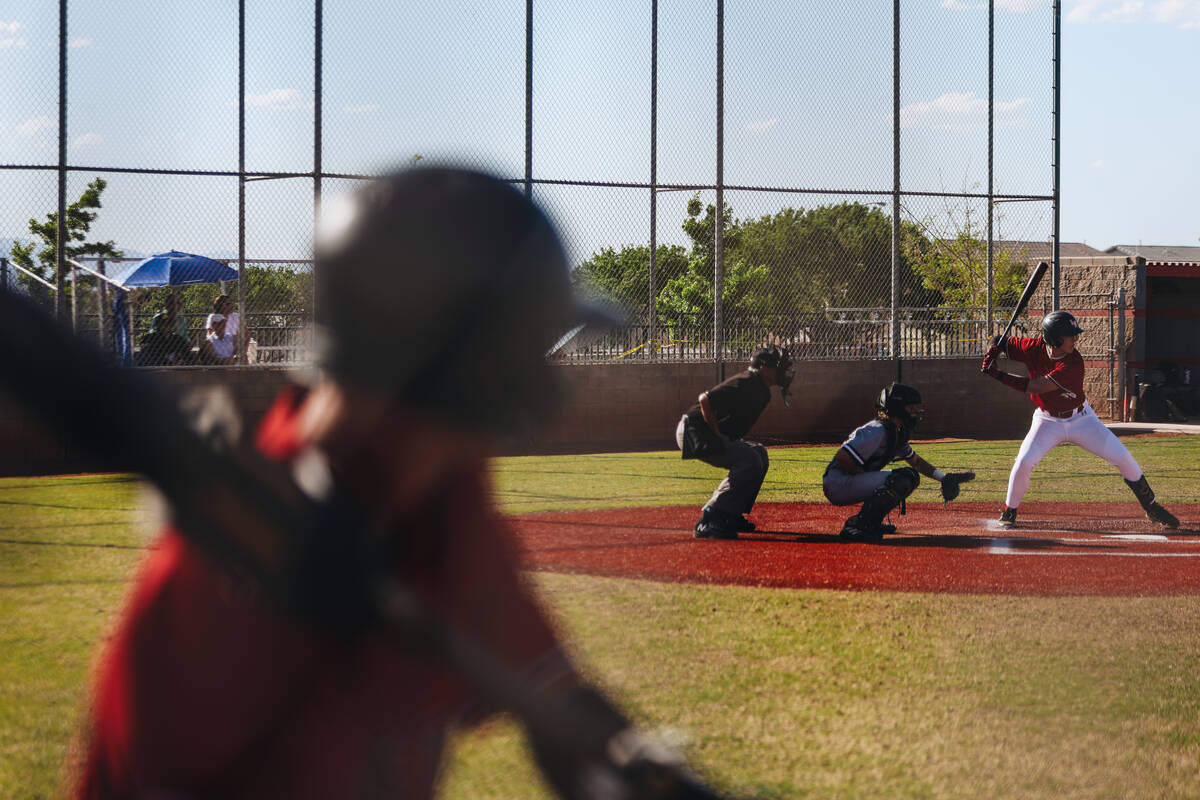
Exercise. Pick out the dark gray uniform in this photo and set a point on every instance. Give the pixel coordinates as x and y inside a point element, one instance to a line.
<point>873,446</point>
<point>737,403</point>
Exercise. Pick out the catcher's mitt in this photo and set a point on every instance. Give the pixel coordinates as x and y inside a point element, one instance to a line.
<point>950,484</point>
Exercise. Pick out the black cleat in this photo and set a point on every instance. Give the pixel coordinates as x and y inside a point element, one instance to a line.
<point>714,524</point>
<point>855,530</point>
<point>743,525</point>
<point>711,529</point>
<point>1008,518</point>
<point>1157,513</point>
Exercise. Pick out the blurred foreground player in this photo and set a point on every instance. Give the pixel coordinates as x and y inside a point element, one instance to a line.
<point>856,473</point>
<point>206,690</point>
<point>712,431</point>
<point>1062,413</point>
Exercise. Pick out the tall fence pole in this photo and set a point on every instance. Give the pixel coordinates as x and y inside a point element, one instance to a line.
<point>318,97</point>
<point>652,313</point>
<point>991,137</point>
<point>719,219</point>
<point>241,176</point>
<point>895,320</point>
<point>529,98</point>
<point>1057,146</point>
<point>60,239</point>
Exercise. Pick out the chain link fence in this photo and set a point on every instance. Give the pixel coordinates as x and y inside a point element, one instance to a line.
<point>880,193</point>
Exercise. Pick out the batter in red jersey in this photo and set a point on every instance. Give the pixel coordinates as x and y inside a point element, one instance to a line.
<point>1055,382</point>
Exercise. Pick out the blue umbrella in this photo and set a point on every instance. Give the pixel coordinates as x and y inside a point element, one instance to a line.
<point>176,269</point>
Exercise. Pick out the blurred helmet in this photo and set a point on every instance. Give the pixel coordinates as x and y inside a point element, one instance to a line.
<point>1057,325</point>
<point>446,288</point>
<point>894,398</point>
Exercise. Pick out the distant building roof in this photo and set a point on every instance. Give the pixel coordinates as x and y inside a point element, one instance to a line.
<point>1041,250</point>
<point>1157,254</point>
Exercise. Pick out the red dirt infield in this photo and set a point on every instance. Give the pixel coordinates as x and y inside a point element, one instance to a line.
<point>1057,549</point>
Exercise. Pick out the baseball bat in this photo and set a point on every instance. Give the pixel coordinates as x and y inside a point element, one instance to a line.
<point>247,510</point>
<point>1030,287</point>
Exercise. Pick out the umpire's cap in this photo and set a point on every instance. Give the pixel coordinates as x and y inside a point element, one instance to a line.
<point>447,288</point>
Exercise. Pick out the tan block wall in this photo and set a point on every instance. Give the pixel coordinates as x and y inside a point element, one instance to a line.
<point>623,407</point>
<point>638,406</point>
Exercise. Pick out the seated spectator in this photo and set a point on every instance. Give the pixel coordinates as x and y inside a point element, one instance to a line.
<point>176,323</point>
<point>223,306</point>
<point>218,344</point>
<point>163,348</point>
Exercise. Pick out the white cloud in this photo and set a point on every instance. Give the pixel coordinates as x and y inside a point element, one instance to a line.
<point>1020,6</point>
<point>1097,164</point>
<point>87,140</point>
<point>10,34</point>
<point>758,126</point>
<point>1011,6</point>
<point>1118,11</point>
<point>362,109</point>
<point>276,98</point>
<point>960,111</point>
<point>80,42</point>
<point>33,125</point>
<point>1183,13</point>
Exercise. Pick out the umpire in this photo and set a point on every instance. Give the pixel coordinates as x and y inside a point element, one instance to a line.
<point>712,431</point>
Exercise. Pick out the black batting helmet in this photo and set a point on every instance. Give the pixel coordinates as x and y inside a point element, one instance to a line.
<point>445,288</point>
<point>1057,325</point>
<point>892,400</point>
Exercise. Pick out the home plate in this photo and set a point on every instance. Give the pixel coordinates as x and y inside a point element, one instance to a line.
<point>1140,537</point>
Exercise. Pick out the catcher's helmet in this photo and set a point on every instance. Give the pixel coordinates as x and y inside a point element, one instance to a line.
<point>893,399</point>
<point>1057,325</point>
<point>445,288</point>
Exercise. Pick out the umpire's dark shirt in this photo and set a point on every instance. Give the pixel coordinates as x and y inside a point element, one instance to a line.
<point>738,402</point>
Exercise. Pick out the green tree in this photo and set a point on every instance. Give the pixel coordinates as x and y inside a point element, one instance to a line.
<point>692,292</point>
<point>80,216</point>
<point>954,263</point>
<point>623,276</point>
<point>836,255</point>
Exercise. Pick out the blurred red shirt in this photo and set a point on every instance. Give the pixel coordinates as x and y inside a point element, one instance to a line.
<point>205,690</point>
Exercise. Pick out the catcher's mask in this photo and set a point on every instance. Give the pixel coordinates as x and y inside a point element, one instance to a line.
<point>893,401</point>
<point>446,288</point>
<point>781,360</point>
<point>1058,325</point>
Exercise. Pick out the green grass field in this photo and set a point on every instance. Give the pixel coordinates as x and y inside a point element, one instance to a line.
<point>771,693</point>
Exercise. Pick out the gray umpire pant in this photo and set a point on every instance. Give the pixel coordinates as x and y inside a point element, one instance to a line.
<point>747,463</point>
<point>843,489</point>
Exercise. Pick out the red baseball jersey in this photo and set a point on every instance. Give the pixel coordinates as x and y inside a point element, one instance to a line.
<point>207,691</point>
<point>1066,372</point>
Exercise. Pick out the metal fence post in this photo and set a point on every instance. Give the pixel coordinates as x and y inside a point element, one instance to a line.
<point>1121,384</point>
<point>719,217</point>
<point>101,315</point>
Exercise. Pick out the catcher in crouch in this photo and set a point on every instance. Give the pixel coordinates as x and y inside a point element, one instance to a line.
<point>857,475</point>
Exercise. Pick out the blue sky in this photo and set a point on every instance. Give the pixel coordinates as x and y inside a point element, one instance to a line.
<point>807,103</point>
